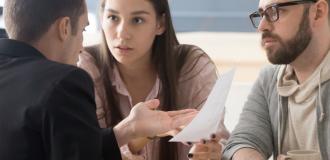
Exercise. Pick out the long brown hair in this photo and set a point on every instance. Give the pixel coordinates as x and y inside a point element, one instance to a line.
<point>167,65</point>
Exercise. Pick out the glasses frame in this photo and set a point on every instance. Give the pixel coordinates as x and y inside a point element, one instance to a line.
<point>261,13</point>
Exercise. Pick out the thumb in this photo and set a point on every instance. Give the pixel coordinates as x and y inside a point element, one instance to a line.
<point>282,157</point>
<point>152,104</point>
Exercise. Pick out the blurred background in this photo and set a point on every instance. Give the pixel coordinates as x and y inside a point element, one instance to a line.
<point>222,29</point>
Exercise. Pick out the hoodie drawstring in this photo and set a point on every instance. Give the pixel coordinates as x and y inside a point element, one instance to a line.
<point>322,114</point>
<point>279,124</point>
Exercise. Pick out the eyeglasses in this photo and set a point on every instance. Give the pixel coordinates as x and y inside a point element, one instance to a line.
<point>271,12</point>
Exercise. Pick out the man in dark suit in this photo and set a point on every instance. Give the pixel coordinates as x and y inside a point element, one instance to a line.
<point>47,108</point>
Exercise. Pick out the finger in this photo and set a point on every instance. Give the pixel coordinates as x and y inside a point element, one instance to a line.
<point>206,149</point>
<point>216,137</point>
<point>214,147</point>
<point>223,131</point>
<point>180,128</point>
<point>211,146</point>
<point>179,112</point>
<point>182,120</point>
<point>174,132</point>
<point>204,156</point>
<point>282,157</point>
<point>192,151</point>
<point>152,104</point>
<point>199,147</point>
<point>169,133</point>
<point>183,115</point>
<point>187,143</point>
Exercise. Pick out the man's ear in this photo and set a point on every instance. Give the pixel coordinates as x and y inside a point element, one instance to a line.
<point>319,12</point>
<point>64,28</point>
<point>161,25</point>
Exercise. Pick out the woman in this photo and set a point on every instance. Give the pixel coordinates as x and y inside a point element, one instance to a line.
<point>140,59</point>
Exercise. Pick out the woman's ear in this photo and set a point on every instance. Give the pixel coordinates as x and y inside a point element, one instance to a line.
<point>64,28</point>
<point>161,25</point>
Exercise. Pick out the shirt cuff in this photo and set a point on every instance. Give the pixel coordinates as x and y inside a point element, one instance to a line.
<point>110,148</point>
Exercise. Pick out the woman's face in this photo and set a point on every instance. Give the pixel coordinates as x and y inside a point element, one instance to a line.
<point>130,27</point>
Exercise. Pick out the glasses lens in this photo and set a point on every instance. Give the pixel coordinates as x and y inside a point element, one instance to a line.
<point>255,19</point>
<point>271,14</point>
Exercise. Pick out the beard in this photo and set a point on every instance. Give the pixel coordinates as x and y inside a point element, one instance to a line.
<point>289,50</point>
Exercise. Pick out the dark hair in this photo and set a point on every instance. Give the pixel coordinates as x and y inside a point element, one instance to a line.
<point>28,20</point>
<point>165,61</point>
<point>328,1</point>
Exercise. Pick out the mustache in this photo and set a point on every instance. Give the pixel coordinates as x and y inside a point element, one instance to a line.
<point>269,35</point>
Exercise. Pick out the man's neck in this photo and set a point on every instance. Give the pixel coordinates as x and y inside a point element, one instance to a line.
<point>50,47</point>
<point>44,48</point>
<point>308,61</point>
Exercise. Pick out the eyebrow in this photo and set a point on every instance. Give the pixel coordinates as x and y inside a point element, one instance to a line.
<point>140,12</point>
<point>133,13</point>
<point>111,10</point>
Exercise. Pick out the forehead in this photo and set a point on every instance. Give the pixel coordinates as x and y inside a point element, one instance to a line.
<point>83,19</point>
<point>129,5</point>
<point>265,3</point>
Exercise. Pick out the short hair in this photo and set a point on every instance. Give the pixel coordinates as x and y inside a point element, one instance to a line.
<point>328,9</point>
<point>28,20</point>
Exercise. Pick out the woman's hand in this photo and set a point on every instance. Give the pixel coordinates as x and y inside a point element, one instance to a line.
<point>281,157</point>
<point>207,149</point>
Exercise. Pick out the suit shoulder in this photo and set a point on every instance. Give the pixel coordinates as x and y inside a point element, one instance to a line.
<point>44,75</point>
<point>54,72</point>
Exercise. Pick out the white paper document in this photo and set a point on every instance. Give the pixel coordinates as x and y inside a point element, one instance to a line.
<point>208,120</point>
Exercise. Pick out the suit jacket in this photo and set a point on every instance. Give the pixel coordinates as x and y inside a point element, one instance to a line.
<point>47,109</point>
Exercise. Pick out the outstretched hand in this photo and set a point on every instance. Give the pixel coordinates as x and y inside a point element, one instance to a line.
<point>145,121</point>
<point>149,122</point>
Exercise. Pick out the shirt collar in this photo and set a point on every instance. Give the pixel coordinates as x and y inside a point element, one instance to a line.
<point>120,86</point>
<point>14,48</point>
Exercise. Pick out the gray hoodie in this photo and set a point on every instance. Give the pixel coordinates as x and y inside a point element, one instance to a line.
<point>265,109</point>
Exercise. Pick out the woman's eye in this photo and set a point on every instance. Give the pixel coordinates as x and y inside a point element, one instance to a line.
<point>138,20</point>
<point>113,18</point>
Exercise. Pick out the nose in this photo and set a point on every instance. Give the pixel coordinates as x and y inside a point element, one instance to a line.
<point>264,25</point>
<point>123,31</point>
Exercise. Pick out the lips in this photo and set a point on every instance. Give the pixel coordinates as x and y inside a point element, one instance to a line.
<point>267,41</point>
<point>123,48</point>
<point>268,38</point>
